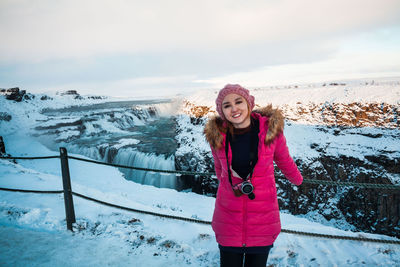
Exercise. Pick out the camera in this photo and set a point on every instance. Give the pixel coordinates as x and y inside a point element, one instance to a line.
<point>244,188</point>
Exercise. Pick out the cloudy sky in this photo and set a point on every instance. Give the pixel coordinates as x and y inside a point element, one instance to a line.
<point>129,47</point>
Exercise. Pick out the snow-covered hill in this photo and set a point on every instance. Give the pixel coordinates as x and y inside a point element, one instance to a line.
<point>352,103</point>
<point>33,230</point>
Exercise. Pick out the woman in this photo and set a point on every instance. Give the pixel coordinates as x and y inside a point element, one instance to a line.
<point>244,144</point>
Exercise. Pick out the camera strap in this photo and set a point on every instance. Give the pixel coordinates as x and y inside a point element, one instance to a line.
<point>227,142</point>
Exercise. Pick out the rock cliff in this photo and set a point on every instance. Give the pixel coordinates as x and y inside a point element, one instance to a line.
<point>369,210</point>
<point>354,114</point>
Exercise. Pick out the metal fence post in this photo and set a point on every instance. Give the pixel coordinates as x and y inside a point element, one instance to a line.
<point>68,201</point>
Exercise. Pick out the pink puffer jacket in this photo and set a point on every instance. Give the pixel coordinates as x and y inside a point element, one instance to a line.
<point>239,221</point>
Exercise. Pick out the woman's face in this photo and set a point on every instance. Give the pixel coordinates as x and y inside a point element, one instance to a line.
<point>236,110</point>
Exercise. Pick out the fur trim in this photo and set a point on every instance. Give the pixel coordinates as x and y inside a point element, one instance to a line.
<point>276,122</point>
<point>215,126</point>
<point>212,132</point>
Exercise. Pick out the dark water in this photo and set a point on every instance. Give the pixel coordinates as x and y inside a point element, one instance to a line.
<point>106,124</point>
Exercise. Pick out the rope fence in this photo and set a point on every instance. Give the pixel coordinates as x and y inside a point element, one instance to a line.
<point>70,212</point>
<point>192,220</point>
<point>31,158</point>
<point>307,181</point>
<point>32,191</point>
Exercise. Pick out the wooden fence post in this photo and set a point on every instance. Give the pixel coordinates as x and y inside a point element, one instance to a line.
<point>68,201</point>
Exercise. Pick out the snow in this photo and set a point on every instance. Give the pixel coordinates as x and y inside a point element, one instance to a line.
<point>187,133</point>
<point>33,229</point>
<point>66,120</point>
<point>60,249</point>
<point>381,91</point>
<point>126,142</point>
<point>351,142</point>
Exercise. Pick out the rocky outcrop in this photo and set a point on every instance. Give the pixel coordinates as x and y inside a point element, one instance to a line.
<point>354,114</point>
<point>204,185</point>
<point>15,94</point>
<point>73,93</point>
<point>4,116</point>
<point>195,110</point>
<point>45,97</point>
<point>70,92</point>
<point>2,147</point>
<point>368,209</point>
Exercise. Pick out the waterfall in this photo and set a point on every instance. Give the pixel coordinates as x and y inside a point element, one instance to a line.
<point>130,157</point>
<point>134,158</point>
<point>162,109</point>
<point>138,134</point>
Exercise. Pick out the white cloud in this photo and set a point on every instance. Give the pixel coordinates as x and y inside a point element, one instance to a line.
<point>343,66</point>
<point>145,87</point>
<point>42,30</point>
<point>150,47</point>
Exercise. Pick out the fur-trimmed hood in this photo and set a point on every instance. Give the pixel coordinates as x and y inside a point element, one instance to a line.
<point>216,128</point>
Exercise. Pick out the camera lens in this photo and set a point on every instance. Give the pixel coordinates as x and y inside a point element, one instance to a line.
<point>247,188</point>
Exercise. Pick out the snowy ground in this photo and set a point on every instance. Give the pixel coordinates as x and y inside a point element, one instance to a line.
<point>384,90</point>
<point>33,230</point>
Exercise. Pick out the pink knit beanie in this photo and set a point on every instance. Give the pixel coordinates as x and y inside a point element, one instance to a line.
<point>233,89</point>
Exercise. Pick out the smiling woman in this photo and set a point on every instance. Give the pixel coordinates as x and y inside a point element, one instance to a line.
<point>246,216</point>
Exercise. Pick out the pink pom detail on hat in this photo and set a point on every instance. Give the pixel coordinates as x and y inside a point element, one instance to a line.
<point>233,89</point>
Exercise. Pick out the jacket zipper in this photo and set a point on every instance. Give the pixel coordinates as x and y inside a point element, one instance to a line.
<point>244,232</point>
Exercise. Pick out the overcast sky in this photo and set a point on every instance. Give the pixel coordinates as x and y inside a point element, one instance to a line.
<point>128,48</point>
